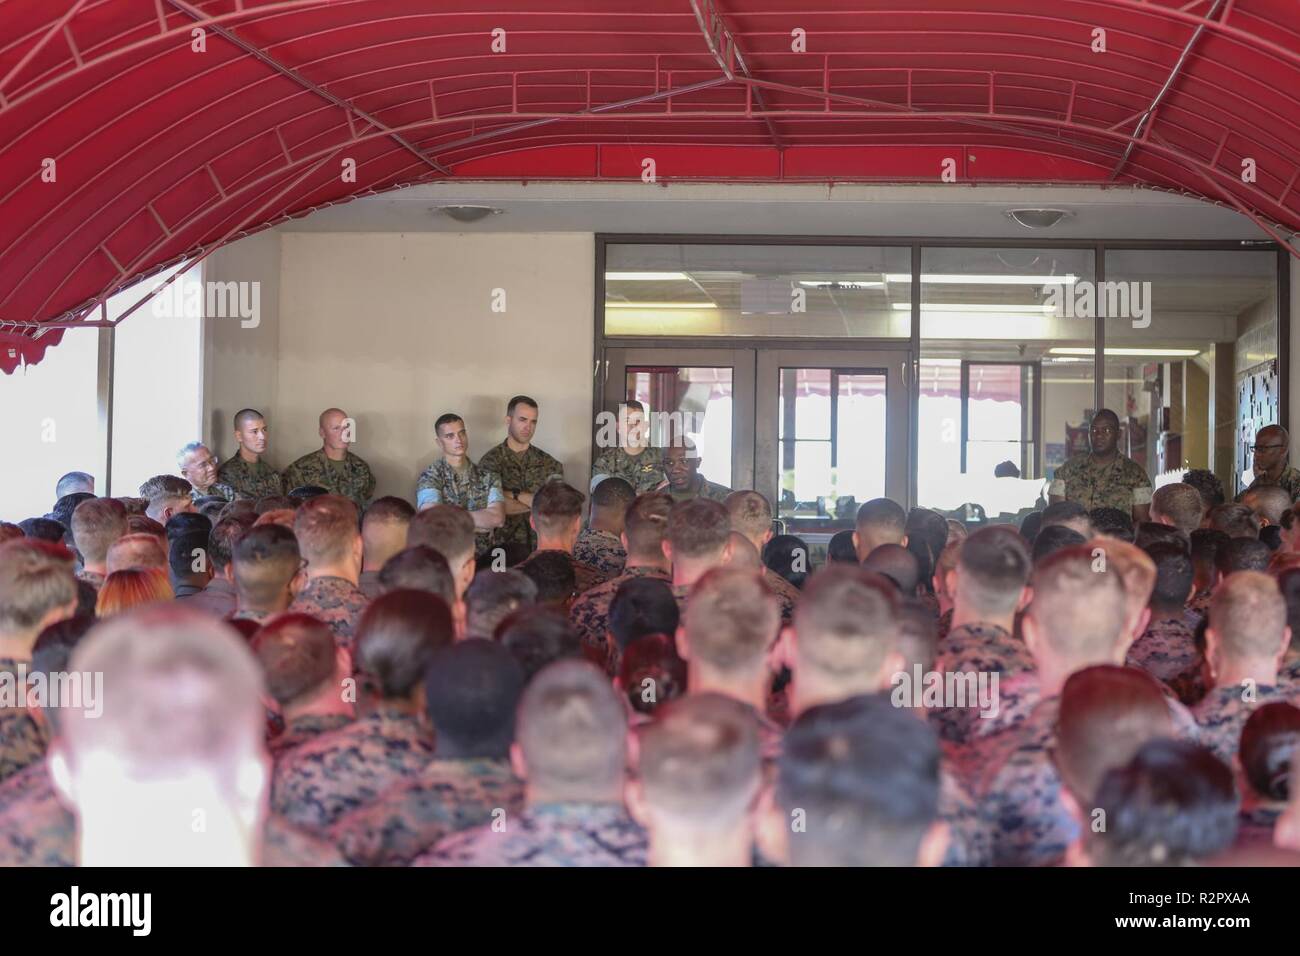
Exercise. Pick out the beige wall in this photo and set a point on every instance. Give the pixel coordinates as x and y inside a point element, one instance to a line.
<point>398,328</point>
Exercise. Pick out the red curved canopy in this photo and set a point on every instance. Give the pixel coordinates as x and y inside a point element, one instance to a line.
<point>138,132</point>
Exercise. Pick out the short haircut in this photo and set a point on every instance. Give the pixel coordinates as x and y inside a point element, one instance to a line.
<point>840,549</point>
<point>51,653</point>
<point>1080,609</point>
<point>326,528</point>
<point>788,556</point>
<point>183,550</point>
<point>492,596</point>
<point>918,634</point>
<point>472,691</point>
<point>1174,803</point>
<point>1234,520</point>
<point>143,524</point>
<point>556,505</point>
<point>1174,574</point>
<point>1268,748</point>
<point>96,524</point>
<point>1054,538</point>
<point>866,775</point>
<point>446,418</point>
<point>134,505</point>
<point>632,405</point>
<point>538,636</point>
<point>265,560</point>
<point>419,569</point>
<point>187,523</point>
<point>447,529</point>
<point>927,536</point>
<point>298,657</point>
<point>1061,512</point>
<point>520,400</point>
<point>846,621</point>
<point>225,535</point>
<point>1151,532</point>
<point>651,663</point>
<point>35,579</point>
<point>1248,614</point>
<point>246,415</point>
<point>66,505</point>
<point>1268,501</point>
<point>1105,413</point>
<point>897,563</point>
<point>186,450</point>
<point>1207,485</point>
<point>1181,504</point>
<point>132,588</point>
<point>1242,554</point>
<point>699,761</point>
<point>43,529</point>
<point>1205,545</point>
<point>397,636</point>
<point>731,621</point>
<point>74,482</point>
<point>642,606</point>
<point>1030,525</point>
<point>137,551</point>
<point>698,528</point>
<point>273,503</point>
<point>883,514</point>
<point>645,525</point>
<point>162,487</point>
<point>1136,570</point>
<point>572,728</point>
<point>750,513</point>
<point>993,568</point>
<point>1106,714</point>
<point>10,532</point>
<point>389,510</point>
<point>211,507</point>
<point>1112,522</point>
<point>1288,584</point>
<point>552,572</point>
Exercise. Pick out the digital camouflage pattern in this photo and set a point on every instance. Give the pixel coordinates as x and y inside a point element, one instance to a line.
<point>1288,480</point>
<point>603,550</point>
<point>218,489</point>
<point>590,615</point>
<point>644,472</point>
<point>970,838</point>
<point>1165,650</point>
<point>251,479</point>
<point>350,478</point>
<point>702,488</point>
<point>550,834</point>
<point>299,730</point>
<point>368,584</point>
<point>1224,711</point>
<point>585,576</point>
<point>975,649</point>
<point>1191,686</point>
<point>473,489</point>
<point>335,602</point>
<point>22,741</point>
<point>526,471</point>
<point>446,796</point>
<point>317,783</point>
<point>785,592</point>
<point>30,779</point>
<point>1121,483</point>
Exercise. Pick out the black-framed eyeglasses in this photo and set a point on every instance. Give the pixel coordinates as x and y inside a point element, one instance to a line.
<point>1265,447</point>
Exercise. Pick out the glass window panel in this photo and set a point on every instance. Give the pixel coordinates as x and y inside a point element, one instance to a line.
<point>695,402</point>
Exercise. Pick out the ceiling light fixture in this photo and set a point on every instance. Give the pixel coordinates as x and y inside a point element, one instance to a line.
<point>1163,353</point>
<point>1038,218</point>
<point>954,279</point>
<point>977,307</point>
<point>468,213</point>
<point>646,277</point>
<point>661,305</point>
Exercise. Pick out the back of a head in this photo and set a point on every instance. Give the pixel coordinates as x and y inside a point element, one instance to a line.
<point>927,535</point>
<point>493,596</point>
<point>132,588</point>
<point>1234,520</point>
<point>51,655</point>
<point>273,503</point>
<point>265,560</point>
<point>225,535</point>
<point>398,634</point>
<point>43,529</point>
<point>143,524</point>
<point>1173,804</point>
<point>1207,485</point>
<point>445,528</point>
<point>742,553</point>
<point>699,762</point>
<point>866,775</point>
<point>326,528</point>
<point>161,488</point>
<point>1205,545</point>
<point>572,729</point>
<point>553,575</point>
<point>96,524</point>
<point>879,521</point>
<point>472,690</point>
<point>1055,538</point>
<point>187,523</point>
<point>1268,502</point>
<point>731,622</point>
<point>1030,525</point>
<point>35,579</point>
<point>538,636</point>
<point>642,606</point>
<point>613,495</point>
<point>1153,532</point>
<point>298,657</point>
<point>556,506</point>
<point>73,483</point>
<point>1242,554</point>
<point>840,550</point>
<point>1107,714</point>
<point>1181,504</point>
<point>698,529</point>
<point>1248,614</point>
<point>388,510</point>
<point>182,694</point>
<point>1070,513</point>
<point>787,556</point>
<point>419,568</point>
<point>897,563</point>
<point>1268,749</point>
<point>645,525</point>
<point>67,505</point>
<point>846,622</point>
<point>1112,522</point>
<point>138,551</point>
<point>751,513</point>
<point>1080,608</point>
<point>992,569</point>
<point>1288,585</point>
<point>1136,569</point>
<point>918,635</point>
<point>651,672</point>
<point>1174,574</point>
<point>187,554</point>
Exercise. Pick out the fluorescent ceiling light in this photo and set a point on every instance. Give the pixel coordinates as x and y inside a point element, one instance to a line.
<point>976,307</point>
<point>943,279</point>
<point>1168,353</point>
<point>646,277</point>
<point>661,305</point>
<point>845,285</point>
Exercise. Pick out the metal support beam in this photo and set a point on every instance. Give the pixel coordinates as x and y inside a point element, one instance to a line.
<point>722,44</point>
<point>104,406</point>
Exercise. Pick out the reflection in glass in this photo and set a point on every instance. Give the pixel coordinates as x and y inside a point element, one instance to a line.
<point>694,402</point>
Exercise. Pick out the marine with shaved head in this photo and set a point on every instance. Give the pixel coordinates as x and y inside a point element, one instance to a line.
<point>1272,465</point>
<point>332,466</point>
<point>246,471</point>
<point>751,516</point>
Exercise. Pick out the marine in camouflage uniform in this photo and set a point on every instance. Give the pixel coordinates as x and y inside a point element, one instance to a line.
<point>1272,449</point>
<point>1165,650</point>
<point>1224,711</point>
<point>319,782</point>
<point>970,838</point>
<point>1288,480</point>
<point>218,489</point>
<point>700,488</point>
<point>473,489</point>
<point>251,479</point>
<point>336,603</point>
<point>585,576</point>
<point>22,741</point>
<point>977,648</point>
<point>785,592</point>
<point>603,550</point>
<point>590,615</point>
<point>446,796</point>
<point>644,472</point>
<point>549,834</point>
<point>350,477</point>
<point>299,730</point>
<point>1120,483</point>
<point>524,471</point>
